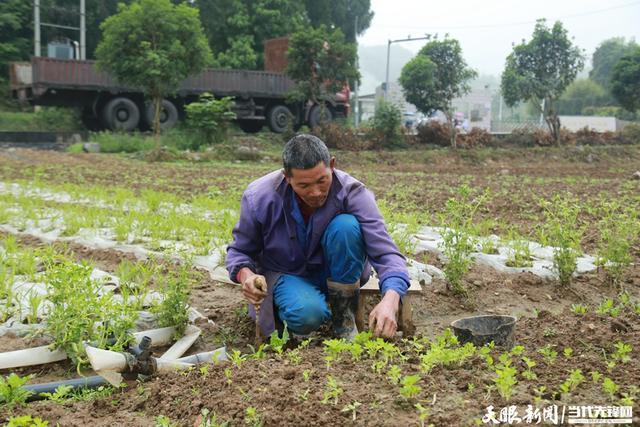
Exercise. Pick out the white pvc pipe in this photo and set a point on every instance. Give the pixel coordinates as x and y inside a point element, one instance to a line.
<point>43,354</point>
<point>183,344</point>
<point>217,355</point>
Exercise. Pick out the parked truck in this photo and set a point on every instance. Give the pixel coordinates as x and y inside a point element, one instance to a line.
<point>260,96</point>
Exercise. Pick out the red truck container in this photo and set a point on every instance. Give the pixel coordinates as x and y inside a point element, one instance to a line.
<point>260,96</point>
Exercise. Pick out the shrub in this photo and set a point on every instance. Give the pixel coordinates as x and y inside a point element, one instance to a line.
<point>57,119</point>
<point>209,118</point>
<point>385,126</point>
<point>434,132</point>
<point>122,142</point>
<point>340,137</point>
<point>630,134</point>
<point>476,137</point>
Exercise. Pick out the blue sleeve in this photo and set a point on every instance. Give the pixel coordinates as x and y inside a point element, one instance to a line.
<point>396,283</point>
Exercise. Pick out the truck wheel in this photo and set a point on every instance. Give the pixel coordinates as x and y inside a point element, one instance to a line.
<point>121,114</point>
<point>279,118</point>
<point>168,115</point>
<point>250,126</point>
<point>317,116</point>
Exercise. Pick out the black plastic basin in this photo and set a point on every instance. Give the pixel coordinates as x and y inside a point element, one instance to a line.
<point>481,330</point>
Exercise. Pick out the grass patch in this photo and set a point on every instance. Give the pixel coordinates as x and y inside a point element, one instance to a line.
<point>46,119</point>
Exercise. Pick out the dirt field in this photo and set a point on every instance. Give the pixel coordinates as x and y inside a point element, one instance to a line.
<point>281,390</point>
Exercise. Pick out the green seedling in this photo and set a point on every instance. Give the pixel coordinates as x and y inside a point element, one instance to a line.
<point>607,307</point>
<point>563,231</point>
<point>568,352</point>
<point>332,391</point>
<point>520,254</point>
<point>409,388</point>
<point>505,378</point>
<point>294,357</point>
<point>306,374</point>
<point>260,353</point>
<point>26,421</point>
<point>610,387</point>
<point>61,393</point>
<point>393,374</point>
<point>252,417</point>
<point>595,376</point>
<point>352,407</point>
<point>209,419</point>
<point>579,309</point>
<point>549,354</point>
<point>304,396</point>
<point>573,381</point>
<point>237,358</point>
<point>11,391</point>
<point>228,373</point>
<point>278,343</point>
<point>163,421</point>
<point>622,352</point>
<point>528,373</point>
<point>423,413</point>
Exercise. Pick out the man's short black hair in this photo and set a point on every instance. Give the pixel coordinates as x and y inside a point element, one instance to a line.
<point>304,151</point>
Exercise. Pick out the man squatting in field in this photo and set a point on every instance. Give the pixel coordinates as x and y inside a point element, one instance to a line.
<point>313,232</point>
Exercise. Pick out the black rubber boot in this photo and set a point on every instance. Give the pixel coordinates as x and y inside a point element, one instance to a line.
<point>343,301</point>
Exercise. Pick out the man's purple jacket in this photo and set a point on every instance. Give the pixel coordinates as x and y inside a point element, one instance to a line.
<point>265,236</point>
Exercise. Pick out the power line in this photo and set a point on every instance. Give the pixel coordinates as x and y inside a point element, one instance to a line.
<point>512,24</point>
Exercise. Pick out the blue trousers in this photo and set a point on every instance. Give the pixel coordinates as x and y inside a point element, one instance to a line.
<point>300,301</point>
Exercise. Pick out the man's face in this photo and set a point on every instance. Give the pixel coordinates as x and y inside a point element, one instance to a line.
<point>312,185</point>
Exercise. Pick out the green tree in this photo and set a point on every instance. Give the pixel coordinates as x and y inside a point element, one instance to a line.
<point>320,61</point>
<point>340,14</point>
<point>540,70</point>
<point>153,45</point>
<point>435,77</point>
<point>606,56</point>
<point>15,37</point>
<point>237,29</point>
<point>581,94</point>
<point>625,81</point>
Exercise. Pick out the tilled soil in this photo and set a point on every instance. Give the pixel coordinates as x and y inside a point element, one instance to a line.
<point>276,388</point>
<point>454,395</point>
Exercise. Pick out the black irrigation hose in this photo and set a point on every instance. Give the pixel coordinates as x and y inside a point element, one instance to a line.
<point>76,383</point>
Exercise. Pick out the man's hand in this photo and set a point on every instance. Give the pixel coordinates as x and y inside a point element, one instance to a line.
<point>382,319</point>
<point>254,286</point>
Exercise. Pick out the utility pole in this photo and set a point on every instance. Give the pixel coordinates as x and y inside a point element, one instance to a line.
<point>408,39</point>
<point>356,107</point>
<point>37,51</point>
<point>83,31</point>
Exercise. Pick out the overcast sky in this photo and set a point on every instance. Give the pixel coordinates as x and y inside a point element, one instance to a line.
<point>486,29</point>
